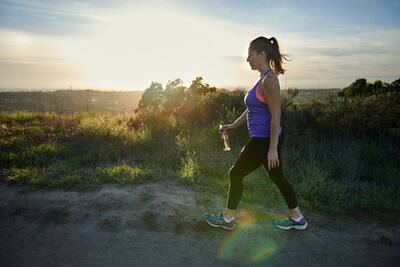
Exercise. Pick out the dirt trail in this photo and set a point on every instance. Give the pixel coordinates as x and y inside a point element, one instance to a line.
<point>159,224</point>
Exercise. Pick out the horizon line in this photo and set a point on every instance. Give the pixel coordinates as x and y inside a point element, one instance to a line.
<point>4,90</point>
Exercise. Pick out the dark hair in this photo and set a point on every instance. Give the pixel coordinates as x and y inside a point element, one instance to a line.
<point>271,49</point>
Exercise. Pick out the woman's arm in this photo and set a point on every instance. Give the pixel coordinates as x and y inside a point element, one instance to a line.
<point>240,120</point>
<point>271,90</point>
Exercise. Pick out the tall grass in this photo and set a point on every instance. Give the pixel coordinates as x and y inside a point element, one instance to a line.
<point>336,174</point>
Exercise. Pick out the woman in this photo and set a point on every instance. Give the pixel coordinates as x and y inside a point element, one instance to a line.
<point>263,115</point>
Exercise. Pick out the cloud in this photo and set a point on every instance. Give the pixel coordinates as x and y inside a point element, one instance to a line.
<point>48,17</point>
<point>135,45</point>
<point>343,52</point>
<point>340,59</point>
<point>30,60</point>
<point>128,44</point>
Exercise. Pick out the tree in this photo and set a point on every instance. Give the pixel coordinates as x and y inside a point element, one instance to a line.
<point>174,95</point>
<point>152,96</point>
<point>198,88</point>
<point>395,86</point>
<point>359,87</point>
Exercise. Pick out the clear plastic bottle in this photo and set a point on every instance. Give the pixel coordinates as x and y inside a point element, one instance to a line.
<point>224,136</point>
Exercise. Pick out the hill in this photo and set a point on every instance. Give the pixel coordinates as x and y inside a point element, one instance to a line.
<point>68,101</point>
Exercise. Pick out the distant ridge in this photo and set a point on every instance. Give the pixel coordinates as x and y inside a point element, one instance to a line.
<point>69,101</point>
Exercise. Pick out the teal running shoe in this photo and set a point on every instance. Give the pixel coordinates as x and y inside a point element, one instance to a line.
<point>289,223</point>
<point>217,220</point>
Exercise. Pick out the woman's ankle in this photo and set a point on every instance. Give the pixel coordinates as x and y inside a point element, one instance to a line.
<point>229,213</point>
<point>295,213</point>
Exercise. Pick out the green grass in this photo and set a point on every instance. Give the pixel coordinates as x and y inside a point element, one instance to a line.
<point>120,174</point>
<point>84,150</point>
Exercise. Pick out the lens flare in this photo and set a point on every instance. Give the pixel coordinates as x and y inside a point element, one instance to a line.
<point>251,242</point>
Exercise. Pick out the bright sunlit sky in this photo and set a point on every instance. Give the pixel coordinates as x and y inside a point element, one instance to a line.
<point>125,45</point>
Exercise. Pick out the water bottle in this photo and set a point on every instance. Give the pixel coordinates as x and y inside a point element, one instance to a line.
<point>224,136</point>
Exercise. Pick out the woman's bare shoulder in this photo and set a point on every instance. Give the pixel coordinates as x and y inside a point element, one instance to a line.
<point>269,83</point>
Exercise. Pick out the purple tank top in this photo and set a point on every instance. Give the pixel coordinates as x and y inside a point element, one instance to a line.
<point>258,115</point>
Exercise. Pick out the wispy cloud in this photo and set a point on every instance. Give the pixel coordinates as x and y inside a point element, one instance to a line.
<point>49,17</point>
<point>128,44</point>
<point>343,52</point>
<point>137,45</point>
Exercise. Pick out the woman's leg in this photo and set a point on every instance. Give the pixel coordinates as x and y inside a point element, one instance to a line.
<point>250,158</point>
<point>296,220</point>
<point>286,189</point>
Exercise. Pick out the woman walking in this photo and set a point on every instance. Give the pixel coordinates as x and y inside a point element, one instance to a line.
<point>264,147</point>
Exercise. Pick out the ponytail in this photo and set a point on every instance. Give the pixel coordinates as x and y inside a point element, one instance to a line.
<point>271,49</point>
<point>276,57</point>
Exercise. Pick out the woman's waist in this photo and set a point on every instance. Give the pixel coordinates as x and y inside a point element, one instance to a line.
<point>254,120</point>
<point>262,136</point>
<point>261,128</point>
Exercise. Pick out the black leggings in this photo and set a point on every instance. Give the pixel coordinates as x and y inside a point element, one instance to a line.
<point>253,154</point>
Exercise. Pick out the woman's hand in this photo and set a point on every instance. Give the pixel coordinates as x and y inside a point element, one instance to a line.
<point>272,158</point>
<point>228,128</point>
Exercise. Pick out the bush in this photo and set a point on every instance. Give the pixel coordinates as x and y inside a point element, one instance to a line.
<point>367,116</point>
<point>121,174</point>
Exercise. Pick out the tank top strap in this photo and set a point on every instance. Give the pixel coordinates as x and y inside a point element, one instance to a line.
<point>259,96</point>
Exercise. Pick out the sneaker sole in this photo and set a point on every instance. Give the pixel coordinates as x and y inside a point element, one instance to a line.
<point>226,228</point>
<point>297,227</point>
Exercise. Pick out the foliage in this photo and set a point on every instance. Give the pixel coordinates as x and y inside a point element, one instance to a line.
<point>177,107</point>
<point>372,110</point>
<point>361,87</point>
<point>337,152</point>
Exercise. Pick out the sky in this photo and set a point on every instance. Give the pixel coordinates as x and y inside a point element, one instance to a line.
<point>126,45</point>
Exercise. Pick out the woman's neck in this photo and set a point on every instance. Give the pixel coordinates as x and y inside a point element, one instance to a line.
<point>264,70</point>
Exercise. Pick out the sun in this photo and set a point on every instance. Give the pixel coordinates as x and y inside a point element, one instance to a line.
<point>147,45</point>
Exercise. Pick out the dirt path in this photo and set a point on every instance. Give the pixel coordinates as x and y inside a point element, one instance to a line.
<point>158,224</point>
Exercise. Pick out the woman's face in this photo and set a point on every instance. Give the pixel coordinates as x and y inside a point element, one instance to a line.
<point>255,59</point>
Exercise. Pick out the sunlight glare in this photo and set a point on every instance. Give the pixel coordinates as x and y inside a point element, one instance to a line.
<point>153,45</point>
